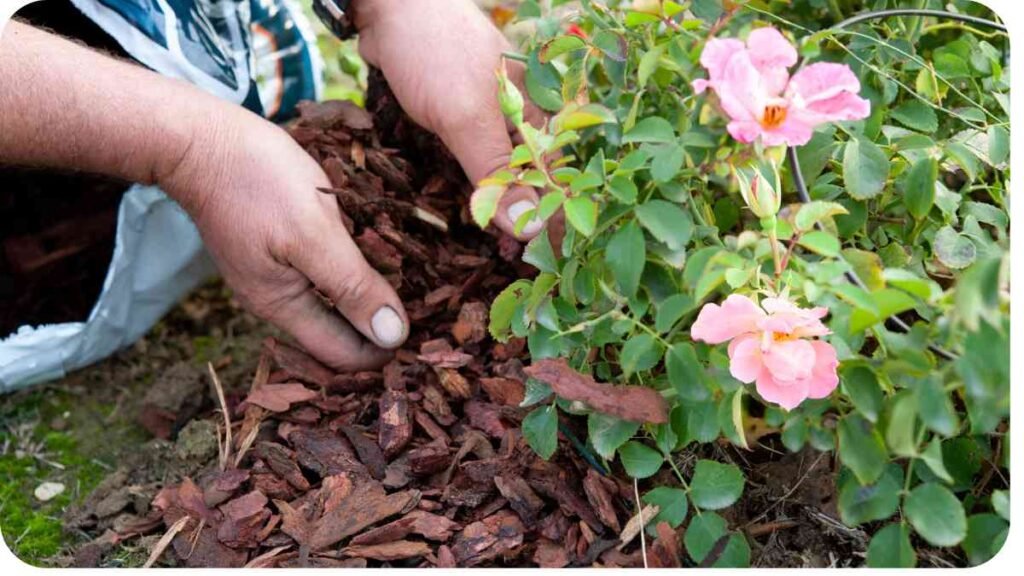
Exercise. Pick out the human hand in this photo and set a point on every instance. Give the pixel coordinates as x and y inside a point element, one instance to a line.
<point>440,58</point>
<point>252,192</point>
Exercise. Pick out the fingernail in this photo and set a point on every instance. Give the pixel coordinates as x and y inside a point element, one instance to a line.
<point>522,207</point>
<point>387,326</point>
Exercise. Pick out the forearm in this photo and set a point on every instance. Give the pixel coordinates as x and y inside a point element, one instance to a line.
<point>66,106</point>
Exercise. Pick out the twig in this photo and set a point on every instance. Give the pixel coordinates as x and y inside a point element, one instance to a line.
<point>165,541</point>
<point>226,452</point>
<point>769,527</point>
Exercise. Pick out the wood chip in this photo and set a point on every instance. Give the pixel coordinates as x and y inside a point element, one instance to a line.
<point>633,403</point>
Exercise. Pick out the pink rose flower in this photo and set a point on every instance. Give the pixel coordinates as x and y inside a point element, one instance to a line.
<point>771,345</point>
<point>754,87</point>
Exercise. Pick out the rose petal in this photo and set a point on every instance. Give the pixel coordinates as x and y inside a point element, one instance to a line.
<point>745,131</point>
<point>823,378</point>
<point>789,395</point>
<point>718,323</point>
<point>771,54</point>
<point>745,362</point>
<point>826,92</point>
<point>789,359</point>
<point>741,90</point>
<point>716,55</point>
<point>822,81</point>
<point>796,130</point>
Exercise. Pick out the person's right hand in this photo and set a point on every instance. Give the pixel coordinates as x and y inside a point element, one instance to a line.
<point>252,192</point>
<point>440,58</point>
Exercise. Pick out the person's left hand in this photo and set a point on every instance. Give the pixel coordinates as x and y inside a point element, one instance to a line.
<point>440,59</point>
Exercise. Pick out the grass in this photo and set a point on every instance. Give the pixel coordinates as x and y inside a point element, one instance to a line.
<point>31,452</point>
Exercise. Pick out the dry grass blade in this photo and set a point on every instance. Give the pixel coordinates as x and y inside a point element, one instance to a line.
<point>639,504</point>
<point>225,453</point>
<point>165,541</point>
<point>253,414</point>
<point>263,559</point>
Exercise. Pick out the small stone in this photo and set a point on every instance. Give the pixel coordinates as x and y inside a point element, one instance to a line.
<point>48,491</point>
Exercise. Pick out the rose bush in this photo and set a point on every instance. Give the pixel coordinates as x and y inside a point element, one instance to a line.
<point>862,286</point>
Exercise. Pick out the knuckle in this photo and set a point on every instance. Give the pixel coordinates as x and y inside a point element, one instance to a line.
<point>355,288</point>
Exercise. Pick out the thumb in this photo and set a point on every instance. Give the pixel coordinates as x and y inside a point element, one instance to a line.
<point>483,146</point>
<point>337,268</point>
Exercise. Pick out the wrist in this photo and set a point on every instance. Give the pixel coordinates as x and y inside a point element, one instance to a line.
<point>200,145</point>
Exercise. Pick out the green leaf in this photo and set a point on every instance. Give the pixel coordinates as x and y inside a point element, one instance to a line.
<point>557,46</point>
<point>953,249</point>
<point>543,96</point>
<point>861,385</point>
<point>666,162</point>
<point>735,411</point>
<point>540,254</point>
<point>900,434</point>
<point>654,129</point>
<point>667,222</point>
<point>623,189</point>
<point>924,288</point>
<point>936,514</point>
<point>640,460</point>
<point>986,534</point>
<point>648,64</point>
<point>795,432</point>
<point>549,204</point>
<point>919,187</point>
<point>1001,503</point>
<point>639,353</point>
<point>483,204</point>
<point>890,548</point>
<point>672,505</point>
<point>862,449</point>
<point>933,458</point>
<point>626,255</point>
<point>815,211</point>
<point>702,422</point>
<point>865,168</point>
<point>860,298</point>
<point>685,372</point>
<point>868,267</point>
<point>540,428</point>
<point>536,391</point>
<point>585,181</point>
<point>581,212</point>
<point>916,115</point>
<point>998,145</point>
<point>888,302</point>
<point>612,44</point>
<point>715,485</point>
<point>504,307</point>
<point>859,504</point>
<point>702,533</point>
<point>671,310</point>
<point>575,117</point>
<point>736,553</point>
<point>820,242</point>
<point>977,294</point>
<point>935,407</point>
<point>607,433</point>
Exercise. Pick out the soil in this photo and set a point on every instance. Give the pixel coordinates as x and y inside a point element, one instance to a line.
<point>419,464</point>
